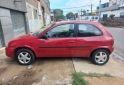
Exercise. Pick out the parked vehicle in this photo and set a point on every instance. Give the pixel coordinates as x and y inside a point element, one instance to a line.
<point>64,39</point>
<point>90,18</point>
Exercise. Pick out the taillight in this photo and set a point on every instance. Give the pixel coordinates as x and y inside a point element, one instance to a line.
<point>112,42</point>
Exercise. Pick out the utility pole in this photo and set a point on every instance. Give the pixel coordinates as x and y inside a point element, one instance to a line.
<point>99,9</point>
<point>81,13</point>
<point>91,8</point>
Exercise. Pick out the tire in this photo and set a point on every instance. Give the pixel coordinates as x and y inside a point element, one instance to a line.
<point>24,56</point>
<point>100,57</point>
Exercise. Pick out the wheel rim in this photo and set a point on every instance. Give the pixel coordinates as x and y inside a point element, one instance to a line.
<point>24,57</point>
<point>101,57</point>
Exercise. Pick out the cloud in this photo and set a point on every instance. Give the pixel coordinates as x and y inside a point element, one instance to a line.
<point>76,3</point>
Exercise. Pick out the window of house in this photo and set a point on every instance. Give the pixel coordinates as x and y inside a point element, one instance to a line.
<point>87,30</point>
<point>35,14</point>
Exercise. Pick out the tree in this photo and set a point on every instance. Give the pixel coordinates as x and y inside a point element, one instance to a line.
<point>112,16</point>
<point>70,15</point>
<point>58,13</point>
<point>84,12</point>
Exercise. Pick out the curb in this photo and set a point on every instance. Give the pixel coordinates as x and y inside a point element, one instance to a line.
<point>2,48</point>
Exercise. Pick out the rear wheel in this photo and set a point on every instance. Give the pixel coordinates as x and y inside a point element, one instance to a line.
<point>24,57</point>
<point>100,57</point>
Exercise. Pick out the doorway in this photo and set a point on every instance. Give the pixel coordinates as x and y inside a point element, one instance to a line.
<point>43,16</point>
<point>105,16</point>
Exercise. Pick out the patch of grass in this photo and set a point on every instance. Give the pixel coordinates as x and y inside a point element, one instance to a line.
<point>107,75</point>
<point>78,77</point>
<point>42,27</point>
<point>96,75</point>
<point>78,80</point>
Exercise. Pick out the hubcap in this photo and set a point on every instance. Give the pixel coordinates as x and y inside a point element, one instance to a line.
<point>24,57</point>
<point>101,57</point>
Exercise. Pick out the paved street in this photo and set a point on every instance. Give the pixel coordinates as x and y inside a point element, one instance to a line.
<point>118,34</point>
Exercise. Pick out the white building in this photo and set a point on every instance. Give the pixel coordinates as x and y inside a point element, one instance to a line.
<point>116,7</point>
<point>114,2</point>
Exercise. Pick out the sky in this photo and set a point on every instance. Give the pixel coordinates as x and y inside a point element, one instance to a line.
<point>62,4</point>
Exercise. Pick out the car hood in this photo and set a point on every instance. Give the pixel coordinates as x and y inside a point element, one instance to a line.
<point>25,37</point>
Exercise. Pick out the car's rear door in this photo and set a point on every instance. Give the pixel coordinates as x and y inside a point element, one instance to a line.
<point>61,42</point>
<point>88,37</point>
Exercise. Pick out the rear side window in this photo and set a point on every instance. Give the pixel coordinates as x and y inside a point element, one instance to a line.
<point>87,30</point>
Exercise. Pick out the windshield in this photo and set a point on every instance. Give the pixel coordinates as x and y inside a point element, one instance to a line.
<point>41,30</point>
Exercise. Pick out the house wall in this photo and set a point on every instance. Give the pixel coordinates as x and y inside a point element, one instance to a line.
<point>114,2</point>
<point>10,4</point>
<point>46,5</point>
<point>47,16</point>
<point>115,12</point>
<point>9,8</point>
<point>48,19</point>
<point>34,15</point>
<point>6,26</point>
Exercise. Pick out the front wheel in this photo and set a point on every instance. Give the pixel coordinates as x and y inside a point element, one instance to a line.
<point>24,57</point>
<point>100,57</point>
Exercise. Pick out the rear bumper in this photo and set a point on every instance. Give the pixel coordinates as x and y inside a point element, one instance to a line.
<point>9,52</point>
<point>111,49</point>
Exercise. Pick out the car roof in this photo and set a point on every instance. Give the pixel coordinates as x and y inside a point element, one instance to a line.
<point>75,21</point>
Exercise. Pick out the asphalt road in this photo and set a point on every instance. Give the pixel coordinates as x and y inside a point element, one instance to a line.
<point>118,34</point>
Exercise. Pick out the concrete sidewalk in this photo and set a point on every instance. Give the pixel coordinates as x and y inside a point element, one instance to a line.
<point>114,67</point>
<point>2,53</point>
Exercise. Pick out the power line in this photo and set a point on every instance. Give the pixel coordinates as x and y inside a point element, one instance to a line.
<point>74,7</point>
<point>90,2</point>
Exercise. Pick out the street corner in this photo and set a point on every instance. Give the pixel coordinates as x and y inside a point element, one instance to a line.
<point>113,67</point>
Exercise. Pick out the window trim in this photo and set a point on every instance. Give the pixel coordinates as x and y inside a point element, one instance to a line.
<point>91,25</point>
<point>75,34</point>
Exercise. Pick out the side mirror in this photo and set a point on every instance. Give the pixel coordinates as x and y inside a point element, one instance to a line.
<point>43,37</point>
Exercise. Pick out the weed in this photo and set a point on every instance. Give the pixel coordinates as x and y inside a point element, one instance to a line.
<point>78,80</point>
<point>42,27</point>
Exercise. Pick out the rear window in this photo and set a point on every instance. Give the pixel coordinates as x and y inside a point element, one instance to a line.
<point>86,30</point>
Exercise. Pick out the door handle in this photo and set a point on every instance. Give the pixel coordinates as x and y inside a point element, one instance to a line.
<point>71,41</point>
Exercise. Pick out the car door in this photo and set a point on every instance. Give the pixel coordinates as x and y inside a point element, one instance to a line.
<point>61,42</point>
<point>88,37</point>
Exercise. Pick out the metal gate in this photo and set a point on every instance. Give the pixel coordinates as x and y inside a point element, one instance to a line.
<point>18,22</point>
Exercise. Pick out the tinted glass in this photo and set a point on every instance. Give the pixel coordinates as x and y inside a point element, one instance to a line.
<point>86,30</point>
<point>66,30</point>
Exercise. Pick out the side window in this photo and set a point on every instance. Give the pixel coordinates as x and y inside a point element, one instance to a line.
<point>61,31</point>
<point>87,30</point>
<point>92,17</point>
<point>96,17</point>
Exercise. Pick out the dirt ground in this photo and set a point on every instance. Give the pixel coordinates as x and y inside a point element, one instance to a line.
<point>105,81</point>
<point>54,71</point>
<point>46,71</point>
<point>114,67</point>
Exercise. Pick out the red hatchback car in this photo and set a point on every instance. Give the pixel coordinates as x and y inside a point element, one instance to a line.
<point>64,39</point>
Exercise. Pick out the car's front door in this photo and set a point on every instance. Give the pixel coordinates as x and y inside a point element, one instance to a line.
<point>60,43</point>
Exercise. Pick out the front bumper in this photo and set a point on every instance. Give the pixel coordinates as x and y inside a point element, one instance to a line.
<point>9,52</point>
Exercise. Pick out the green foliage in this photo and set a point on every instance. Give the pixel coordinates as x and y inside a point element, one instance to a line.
<point>78,80</point>
<point>84,12</point>
<point>42,27</point>
<point>58,13</point>
<point>95,75</point>
<point>70,15</point>
<point>78,77</point>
